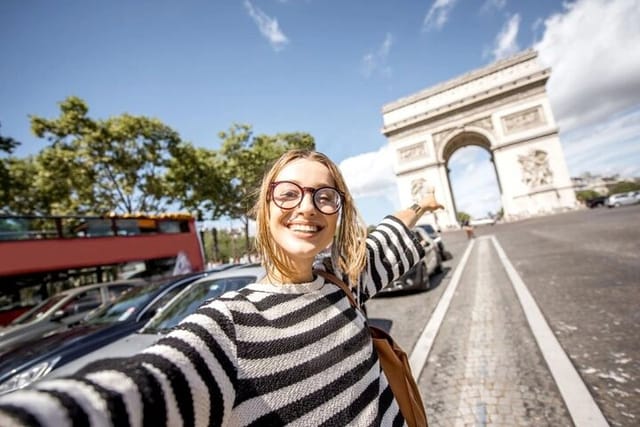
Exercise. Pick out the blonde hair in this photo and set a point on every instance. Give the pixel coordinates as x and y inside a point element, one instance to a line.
<point>348,249</point>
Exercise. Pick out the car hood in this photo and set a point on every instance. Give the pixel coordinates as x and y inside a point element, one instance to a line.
<point>44,348</point>
<point>123,347</point>
<point>18,334</point>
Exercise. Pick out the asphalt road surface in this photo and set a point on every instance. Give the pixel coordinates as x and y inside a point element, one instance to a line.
<point>484,368</point>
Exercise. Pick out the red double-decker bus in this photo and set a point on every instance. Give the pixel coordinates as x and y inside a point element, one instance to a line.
<point>40,255</point>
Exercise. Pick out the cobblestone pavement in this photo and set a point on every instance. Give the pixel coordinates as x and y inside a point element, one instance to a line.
<point>485,367</point>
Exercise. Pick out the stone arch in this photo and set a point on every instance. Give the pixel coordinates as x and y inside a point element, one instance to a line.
<point>502,108</point>
<point>463,138</point>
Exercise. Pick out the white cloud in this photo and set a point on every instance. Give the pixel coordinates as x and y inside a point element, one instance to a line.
<point>592,49</point>
<point>493,4</point>
<point>605,148</point>
<point>370,174</point>
<point>268,26</point>
<point>506,42</point>
<point>438,14</point>
<point>377,61</point>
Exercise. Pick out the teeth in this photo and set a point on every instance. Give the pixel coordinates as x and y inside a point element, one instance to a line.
<point>303,228</point>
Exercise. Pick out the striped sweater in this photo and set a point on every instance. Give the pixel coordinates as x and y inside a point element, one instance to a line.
<point>269,354</point>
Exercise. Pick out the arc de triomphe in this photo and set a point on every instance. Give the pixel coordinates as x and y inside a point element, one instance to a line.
<point>502,108</point>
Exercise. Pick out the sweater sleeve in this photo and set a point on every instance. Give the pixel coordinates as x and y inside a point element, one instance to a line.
<point>392,249</point>
<point>187,378</point>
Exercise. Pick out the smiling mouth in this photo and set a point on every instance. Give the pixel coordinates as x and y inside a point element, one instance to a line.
<point>304,228</point>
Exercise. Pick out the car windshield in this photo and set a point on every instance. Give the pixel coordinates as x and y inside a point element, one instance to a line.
<point>191,298</point>
<point>125,306</point>
<point>39,310</point>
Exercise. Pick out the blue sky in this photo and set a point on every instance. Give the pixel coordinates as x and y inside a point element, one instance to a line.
<point>325,67</point>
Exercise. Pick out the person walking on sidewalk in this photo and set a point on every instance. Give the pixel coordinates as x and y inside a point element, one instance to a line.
<point>289,350</point>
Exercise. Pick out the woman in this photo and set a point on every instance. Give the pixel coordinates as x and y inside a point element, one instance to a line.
<point>288,350</point>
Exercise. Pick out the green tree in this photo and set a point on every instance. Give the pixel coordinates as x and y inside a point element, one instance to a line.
<point>462,217</point>
<point>245,159</point>
<point>195,179</point>
<point>113,165</point>
<point>584,195</point>
<point>7,145</point>
<point>623,187</point>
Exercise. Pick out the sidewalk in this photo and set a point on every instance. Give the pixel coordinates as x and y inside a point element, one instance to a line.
<point>485,366</point>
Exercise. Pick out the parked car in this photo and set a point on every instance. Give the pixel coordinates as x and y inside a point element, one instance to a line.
<point>620,199</point>
<point>34,359</point>
<point>418,277</point>
<point>61,310</point>
<point>185,303</point>
<point>435,235</point>
<point>594,202</point>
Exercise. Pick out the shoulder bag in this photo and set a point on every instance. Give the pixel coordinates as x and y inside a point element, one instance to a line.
<point>395,364</point>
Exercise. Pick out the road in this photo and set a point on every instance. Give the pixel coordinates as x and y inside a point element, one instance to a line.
<point>485,368</point>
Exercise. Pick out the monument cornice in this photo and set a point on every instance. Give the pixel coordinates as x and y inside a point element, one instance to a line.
<point>516,86</point>
<point>419,168</point>
<point>458,81</point>
<point>527,139</point>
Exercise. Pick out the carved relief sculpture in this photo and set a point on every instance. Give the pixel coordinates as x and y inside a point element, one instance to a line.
<point>523,120</point>
<point>411,152</point>
<point>418,189</point>
<point>535,168</point>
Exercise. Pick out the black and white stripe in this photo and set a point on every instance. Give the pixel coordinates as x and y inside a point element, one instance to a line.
<point>265,355</point>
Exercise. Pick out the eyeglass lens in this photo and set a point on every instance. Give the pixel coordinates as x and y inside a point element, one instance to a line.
<point>288,195</point>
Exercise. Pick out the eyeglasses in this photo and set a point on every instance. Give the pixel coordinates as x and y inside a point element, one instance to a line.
<point>289,195</point>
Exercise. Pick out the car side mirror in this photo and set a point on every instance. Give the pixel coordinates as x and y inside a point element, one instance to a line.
<point>58,315</point>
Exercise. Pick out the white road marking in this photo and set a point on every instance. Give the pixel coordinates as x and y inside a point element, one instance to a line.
<point>582,407</point>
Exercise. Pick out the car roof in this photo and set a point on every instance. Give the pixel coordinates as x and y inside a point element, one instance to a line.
<point>244,270</point>
<point>132,282</point>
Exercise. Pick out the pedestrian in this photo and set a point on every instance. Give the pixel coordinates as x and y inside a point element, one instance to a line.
<point>290,350</point>
<point>468,229</point>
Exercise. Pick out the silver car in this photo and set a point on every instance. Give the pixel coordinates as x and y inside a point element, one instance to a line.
<point>182,305</point>
<point>60,311</point>
<point>620,199</point>
<point>419,277</point>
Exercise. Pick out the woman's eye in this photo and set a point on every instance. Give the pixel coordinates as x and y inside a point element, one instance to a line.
<point>289,195</point>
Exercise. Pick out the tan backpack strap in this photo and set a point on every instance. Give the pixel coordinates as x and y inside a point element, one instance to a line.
<point>333,279</point>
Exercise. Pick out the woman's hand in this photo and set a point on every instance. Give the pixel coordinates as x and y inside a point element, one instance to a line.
<point>429,202</point>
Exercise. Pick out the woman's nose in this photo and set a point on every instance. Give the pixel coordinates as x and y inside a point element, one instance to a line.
<point>306,204</point>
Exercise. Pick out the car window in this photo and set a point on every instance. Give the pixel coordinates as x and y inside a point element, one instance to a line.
<point>127,304</point>
<point>163,300</point>
<point>84,301</point>
<point>191,298</point>
<point>39,310</point>
<point>114,291</point>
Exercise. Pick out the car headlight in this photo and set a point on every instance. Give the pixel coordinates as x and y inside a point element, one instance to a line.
<point>24,378</point>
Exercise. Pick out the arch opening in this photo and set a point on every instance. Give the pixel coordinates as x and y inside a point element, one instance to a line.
<point>472,178</point>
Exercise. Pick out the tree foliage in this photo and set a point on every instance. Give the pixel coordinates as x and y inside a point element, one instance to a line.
<point>7,145</point>
<point>195,179</point>
<point>132,163</point>
<point>584,195</point>
<point>623,187</point>
<point>112,165</point>
<point>462,217</point>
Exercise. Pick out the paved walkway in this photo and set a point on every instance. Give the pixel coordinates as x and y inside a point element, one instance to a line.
<point>483,365</point>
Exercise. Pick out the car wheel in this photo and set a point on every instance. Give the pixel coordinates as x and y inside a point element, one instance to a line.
<point>425,283</point>
<point>438,268</point>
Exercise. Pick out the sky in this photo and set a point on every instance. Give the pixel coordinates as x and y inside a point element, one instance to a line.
<point>325,67</point>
